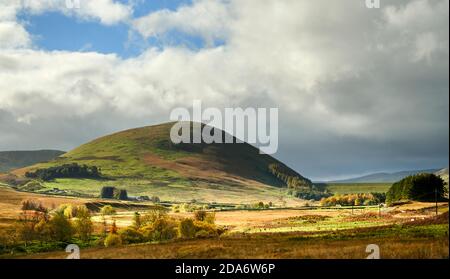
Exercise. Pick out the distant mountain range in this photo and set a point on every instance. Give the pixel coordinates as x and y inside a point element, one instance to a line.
<point>10,160</point>
<point>390,177</point>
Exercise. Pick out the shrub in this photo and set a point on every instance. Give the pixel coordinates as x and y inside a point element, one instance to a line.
<point>151,216</point>
<point>69,211</point>
<point>186,228</point>
<point>176,208</point>
<point>131,235</point>
<point>155,199</point>
<point>33,205</point>
<point>113,240</point>
<point>202,234</point>
<point>107,210</point>
<point>210,218</point>
<point>210,229</point>
<point>200,215</point>
<point>160,229</point>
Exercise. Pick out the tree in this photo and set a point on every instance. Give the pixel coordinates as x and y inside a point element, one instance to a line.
<point>107,192</point>
<point>123,195</point>
<point>26,226</point>
<point>114,228</point>
<point>60,227</point>
<point>419,187</point>
<point>105,211</point>
<point>137,220</point>
<point>83,223</point>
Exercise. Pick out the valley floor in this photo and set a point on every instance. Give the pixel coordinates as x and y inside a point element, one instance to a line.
<point>405,231</point>
<point>413,242</point>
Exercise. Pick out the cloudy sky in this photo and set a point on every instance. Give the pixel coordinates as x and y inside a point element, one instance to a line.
<point>358,90</point>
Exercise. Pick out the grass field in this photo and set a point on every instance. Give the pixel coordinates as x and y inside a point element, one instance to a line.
<point>404,231</point>
<point>415,242</point>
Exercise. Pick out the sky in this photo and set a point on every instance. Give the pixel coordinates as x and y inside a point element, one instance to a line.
<point>358,90</point>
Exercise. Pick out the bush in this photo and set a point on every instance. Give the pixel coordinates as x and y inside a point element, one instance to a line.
<point>151,216</point>
<point>210,218</point>
<point>113,240</point>
<point>155,199</point>
<point>186,228</point>
<point>107,210</point>
<point>33,205</point>
<point>209,229</point>
<point>160,229</point>
<point>200,215</point>
<point>202,234</point>
<point>131,235</point>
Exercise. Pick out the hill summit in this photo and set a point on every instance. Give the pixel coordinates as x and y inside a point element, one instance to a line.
<point>146,157</point>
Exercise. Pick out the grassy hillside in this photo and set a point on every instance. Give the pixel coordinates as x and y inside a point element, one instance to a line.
<point>443,173</point>
<point>145,162</point>
<point>10,160</point>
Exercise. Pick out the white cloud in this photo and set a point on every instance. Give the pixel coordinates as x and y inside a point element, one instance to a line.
<point>13,35</point>
<point>206,18</point>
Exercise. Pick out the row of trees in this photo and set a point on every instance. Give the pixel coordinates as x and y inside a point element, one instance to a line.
<point>41,227</point>
<point>61,225</point>
<point>65,171</point>
<point>290,178</point>
<point>354,199</point>
<point>299,186</point>
<point>309,194</point>
<point>156,225</point>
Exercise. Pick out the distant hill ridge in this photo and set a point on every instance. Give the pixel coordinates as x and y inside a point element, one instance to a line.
<point>10,160</point>
<point>386,177</point>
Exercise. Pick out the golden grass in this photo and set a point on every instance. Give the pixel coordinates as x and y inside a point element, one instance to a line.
<point>273,247</point>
